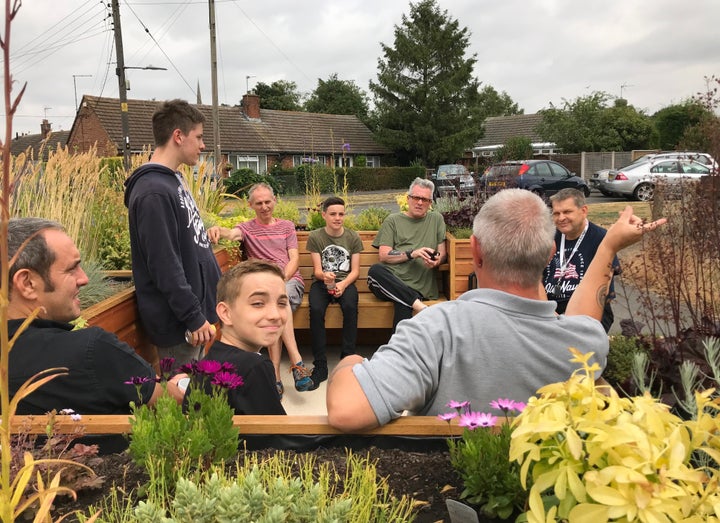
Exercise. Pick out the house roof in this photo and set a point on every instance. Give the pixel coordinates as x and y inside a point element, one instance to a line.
<point>274,132</point>
<point>37,141</point>
<point>498,129</point>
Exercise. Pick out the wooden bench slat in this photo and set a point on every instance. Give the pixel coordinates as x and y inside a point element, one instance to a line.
<point>306,425</point>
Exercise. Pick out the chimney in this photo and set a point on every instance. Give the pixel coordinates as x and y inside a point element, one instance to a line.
<point>45,128</point>
<point>251,106</point>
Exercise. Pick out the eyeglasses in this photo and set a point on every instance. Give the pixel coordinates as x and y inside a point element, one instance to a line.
<point>419,198</point>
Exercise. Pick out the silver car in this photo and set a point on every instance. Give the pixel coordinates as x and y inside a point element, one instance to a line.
<point>599,181</point>
<point>637,181</point>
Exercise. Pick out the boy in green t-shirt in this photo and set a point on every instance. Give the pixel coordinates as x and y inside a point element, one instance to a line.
<point>335,253</point>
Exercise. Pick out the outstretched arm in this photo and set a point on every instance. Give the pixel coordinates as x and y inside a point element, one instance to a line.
<point>590,296</point>
<point>348,407</point>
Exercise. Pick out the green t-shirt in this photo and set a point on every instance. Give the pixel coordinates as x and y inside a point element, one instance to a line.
<point>335,251</point>
<point>403,233</point>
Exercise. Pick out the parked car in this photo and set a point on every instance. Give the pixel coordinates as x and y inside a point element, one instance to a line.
<point>599,180</point>
<point>637,181</point>
<point>703,158</point>
<point>543,177</point>
<point>453,180</point>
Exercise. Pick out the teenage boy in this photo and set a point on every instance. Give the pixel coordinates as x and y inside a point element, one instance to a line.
<point>174,268</point>
<point>253,310</point>
<point>272,239</point>
<point>335,253</point>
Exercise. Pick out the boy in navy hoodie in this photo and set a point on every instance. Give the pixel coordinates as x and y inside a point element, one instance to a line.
<point>174,268</point>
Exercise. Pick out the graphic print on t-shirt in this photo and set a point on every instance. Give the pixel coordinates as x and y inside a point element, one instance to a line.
<point>335,258</point>
<point>193,215</point>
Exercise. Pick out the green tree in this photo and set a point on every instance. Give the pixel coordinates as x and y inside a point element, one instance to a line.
<point>588,124</point>
<point>493,103</point>
<point>335,96</point>
<point>672,121</point>
<point>515,148</point>
<point>426,98</point>
<point>281,95</point>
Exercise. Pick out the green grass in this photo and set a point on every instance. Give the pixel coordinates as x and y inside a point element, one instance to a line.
<point>605,214</point>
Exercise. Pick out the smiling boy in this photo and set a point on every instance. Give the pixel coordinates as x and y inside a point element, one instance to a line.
<point>253,310</point>
<point>335,252</point>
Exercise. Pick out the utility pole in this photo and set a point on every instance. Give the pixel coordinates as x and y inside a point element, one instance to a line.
<point>213,74</point>
<point>122,84</point>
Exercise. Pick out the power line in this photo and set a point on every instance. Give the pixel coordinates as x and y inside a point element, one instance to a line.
<point>162,50</point>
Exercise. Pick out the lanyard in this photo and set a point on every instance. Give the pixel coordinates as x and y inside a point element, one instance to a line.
<point>562,261</point>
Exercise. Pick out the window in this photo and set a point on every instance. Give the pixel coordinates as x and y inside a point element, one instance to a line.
<point>258,163</point>
<point>372,161</point>
<point>339,161</point>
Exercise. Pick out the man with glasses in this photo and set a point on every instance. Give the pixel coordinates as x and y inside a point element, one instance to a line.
<point>411,245</point>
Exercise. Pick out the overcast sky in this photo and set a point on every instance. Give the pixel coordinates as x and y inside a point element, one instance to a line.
<point>653,52</point>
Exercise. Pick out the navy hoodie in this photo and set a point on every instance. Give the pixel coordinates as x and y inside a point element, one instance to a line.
<point>174,269</point>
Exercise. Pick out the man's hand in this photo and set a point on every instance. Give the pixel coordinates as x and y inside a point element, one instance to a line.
<point>205,334</point>
<point>216,233</point>
<point>429,256</point>
<point>629,229</point>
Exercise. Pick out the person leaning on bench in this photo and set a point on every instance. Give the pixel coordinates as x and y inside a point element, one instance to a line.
<point>503,339</point>
<point>411,245</point>
<point>335,253</point>
<point>46,276</point>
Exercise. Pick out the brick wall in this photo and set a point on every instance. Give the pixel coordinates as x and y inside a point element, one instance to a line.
<point>88,132</point>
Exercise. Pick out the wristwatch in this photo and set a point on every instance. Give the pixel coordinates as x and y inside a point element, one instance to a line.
<point>409,254</point>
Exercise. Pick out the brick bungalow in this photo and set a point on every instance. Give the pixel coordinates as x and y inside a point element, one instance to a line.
<point>249,136</point>
<point>47,139</point>
<point>498,129</point>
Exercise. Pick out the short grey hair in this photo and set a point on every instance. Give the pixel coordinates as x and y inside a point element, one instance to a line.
<point>564,194</point>
<point>35,254</point>
<point>516,235</point>
<point>259,185</point>
<point>423,183</point>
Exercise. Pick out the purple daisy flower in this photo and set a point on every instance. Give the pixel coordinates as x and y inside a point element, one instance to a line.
<point>447,416</point>
<point>458,405</point>
<point>227,380</point>
<point>208,367</point>
<point>227,367</point>
<point>519,406</point>
<point>473,420</point>
<point>166,366</point>
<point>503,404</point>
<point>138,380</point>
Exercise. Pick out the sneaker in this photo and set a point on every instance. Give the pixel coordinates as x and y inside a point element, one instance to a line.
<point>280,389</point>
<point>319,373</point>
<point>301,376</point>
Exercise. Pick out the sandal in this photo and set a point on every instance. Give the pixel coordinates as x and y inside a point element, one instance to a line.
<point>280,389</point>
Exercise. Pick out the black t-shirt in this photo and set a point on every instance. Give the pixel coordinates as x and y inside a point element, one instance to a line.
<point>560,285</point>
<point>258,394</point>
<point>98,366</point>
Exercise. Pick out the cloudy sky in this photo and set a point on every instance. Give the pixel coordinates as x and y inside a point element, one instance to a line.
<point>653,52</point>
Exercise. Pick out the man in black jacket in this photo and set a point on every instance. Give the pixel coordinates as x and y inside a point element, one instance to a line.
<point>45,279</point>
<point>174,268</point>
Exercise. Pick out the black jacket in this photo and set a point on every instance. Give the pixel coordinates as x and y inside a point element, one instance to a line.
<point>174,269</point>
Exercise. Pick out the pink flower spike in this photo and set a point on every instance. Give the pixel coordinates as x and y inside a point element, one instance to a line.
<point>447,416</point>
<point>473,420</point>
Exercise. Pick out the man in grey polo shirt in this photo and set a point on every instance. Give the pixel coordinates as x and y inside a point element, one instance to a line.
<point>500,340</point>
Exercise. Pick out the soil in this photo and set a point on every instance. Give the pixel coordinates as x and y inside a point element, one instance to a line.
<point>427,477</point>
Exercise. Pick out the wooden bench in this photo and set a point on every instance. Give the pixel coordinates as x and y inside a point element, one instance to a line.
<point>373,313</point>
